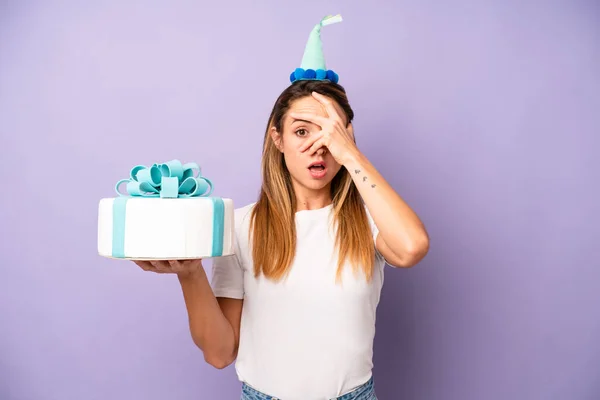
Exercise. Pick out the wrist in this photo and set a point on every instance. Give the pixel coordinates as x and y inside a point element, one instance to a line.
<point>353,160</point>
<point>191,275</point>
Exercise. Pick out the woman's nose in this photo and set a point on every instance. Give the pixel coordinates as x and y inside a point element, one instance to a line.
<point>322,151</point>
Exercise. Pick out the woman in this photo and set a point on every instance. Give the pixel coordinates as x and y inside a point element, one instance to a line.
<point>295,306</point>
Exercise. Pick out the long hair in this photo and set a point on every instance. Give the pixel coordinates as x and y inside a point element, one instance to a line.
<point>272,221</point>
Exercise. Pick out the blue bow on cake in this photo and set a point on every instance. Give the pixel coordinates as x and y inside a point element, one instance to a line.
<point>168,180</point>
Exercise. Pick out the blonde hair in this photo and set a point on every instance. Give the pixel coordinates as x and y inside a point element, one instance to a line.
<point>272,221</point>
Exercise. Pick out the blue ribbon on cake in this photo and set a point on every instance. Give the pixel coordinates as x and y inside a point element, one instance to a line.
<point>170,180</point>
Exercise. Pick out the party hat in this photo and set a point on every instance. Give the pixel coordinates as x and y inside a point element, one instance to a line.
<point>313,62</point>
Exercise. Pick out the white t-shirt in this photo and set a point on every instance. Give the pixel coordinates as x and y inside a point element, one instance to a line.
<point>306,337</point>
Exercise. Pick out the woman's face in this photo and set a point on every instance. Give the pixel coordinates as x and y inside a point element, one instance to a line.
<point>310,171</point>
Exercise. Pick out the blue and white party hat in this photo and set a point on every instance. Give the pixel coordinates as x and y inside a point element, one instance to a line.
<point>313,62</point>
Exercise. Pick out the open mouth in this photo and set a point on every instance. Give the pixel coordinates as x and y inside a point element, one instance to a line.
<point>317,169</point>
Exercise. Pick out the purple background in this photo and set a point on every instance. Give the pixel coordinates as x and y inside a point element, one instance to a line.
<point>484,115</point>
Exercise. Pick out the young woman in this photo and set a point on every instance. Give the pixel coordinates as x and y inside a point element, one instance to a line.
<point>295,306</point>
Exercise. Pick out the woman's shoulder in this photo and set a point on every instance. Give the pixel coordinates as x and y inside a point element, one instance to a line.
<point>242,214</point>
<point>241,223</point>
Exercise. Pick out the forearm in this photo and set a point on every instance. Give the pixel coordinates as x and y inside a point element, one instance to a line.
<point>210,329</point>
<point>398,225</point>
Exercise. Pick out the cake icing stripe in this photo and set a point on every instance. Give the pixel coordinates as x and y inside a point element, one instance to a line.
<point>118,234</point>
<point>218,226</point>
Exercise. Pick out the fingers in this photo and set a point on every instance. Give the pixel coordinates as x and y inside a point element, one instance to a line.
<point>187,267</point>
<point>350,130</point>
<point>168,266</point>
<point>328,104</point>
<point>310,141</point>
<point>327,124</point>
<point>152,266</point>
<point>316,146</point>
<point>148,266</point>
<point>176,265</point>
<point>315,119</point>
<point>145,265</point>
<point>161,266</point>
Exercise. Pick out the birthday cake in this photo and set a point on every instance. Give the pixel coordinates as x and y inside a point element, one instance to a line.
<point>166,213</point>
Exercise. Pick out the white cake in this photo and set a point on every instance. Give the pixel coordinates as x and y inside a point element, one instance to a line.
<point>165,228</point>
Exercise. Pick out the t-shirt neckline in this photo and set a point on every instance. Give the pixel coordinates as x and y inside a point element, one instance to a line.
<point>315,211</point>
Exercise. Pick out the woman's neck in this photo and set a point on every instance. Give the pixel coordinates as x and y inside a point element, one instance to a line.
<point>312,204</point>
<point>312,201</point>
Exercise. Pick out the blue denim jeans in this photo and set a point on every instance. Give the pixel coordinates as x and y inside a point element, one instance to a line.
<point>363,392</point>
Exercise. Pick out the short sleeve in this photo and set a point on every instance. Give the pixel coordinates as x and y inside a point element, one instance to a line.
<point>375,233</point>
<point>374,229</point>
<point>228,275</point>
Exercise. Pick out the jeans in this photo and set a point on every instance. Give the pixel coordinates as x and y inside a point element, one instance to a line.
<point>363,392</point>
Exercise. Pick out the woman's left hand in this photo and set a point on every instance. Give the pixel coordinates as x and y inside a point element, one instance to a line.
<point>338,138</point>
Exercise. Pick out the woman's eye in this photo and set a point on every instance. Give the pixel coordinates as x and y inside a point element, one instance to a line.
<point>301,132</point>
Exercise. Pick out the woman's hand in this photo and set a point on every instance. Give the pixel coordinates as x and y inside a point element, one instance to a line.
<point>179,267</point>
<point>334,135</point>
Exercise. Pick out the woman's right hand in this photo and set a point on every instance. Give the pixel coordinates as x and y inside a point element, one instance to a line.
<point>179,267</point>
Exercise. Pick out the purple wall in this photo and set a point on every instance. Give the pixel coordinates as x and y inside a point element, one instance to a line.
<point>484,115</point>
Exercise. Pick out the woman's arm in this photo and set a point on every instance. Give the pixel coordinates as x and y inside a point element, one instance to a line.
<point>402,240</point>
<point>214,322</point>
